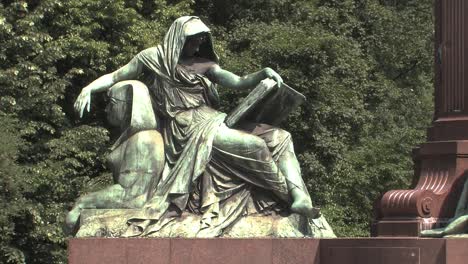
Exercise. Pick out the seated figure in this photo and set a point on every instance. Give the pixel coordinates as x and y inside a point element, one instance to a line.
<point>136,158</point>
<point>211,170</point>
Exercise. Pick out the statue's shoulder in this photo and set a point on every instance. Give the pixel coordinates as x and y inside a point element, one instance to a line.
<point>151,49</point>
<point>149,52</point>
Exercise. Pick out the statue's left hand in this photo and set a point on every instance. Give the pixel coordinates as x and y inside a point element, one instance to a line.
<point>270,73</point>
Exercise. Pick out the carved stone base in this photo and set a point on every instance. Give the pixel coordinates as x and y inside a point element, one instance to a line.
<point>441,168</point>
<point>112,223</point>
<point>267,251</point>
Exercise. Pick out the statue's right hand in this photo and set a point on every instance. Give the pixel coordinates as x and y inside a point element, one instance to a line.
<point>83,101</point>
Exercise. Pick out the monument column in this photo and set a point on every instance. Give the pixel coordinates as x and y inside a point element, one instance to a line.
<point>441,164</point>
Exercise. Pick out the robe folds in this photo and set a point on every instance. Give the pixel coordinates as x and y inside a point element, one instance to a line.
<point>210,169</point>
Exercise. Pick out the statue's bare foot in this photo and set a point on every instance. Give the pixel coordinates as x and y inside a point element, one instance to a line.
<point>72,220</point>
<point>303,206</point>
<point>438,232</point>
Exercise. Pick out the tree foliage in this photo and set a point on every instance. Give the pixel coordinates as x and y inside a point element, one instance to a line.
<point>365,67</point>
<point>366,70</point>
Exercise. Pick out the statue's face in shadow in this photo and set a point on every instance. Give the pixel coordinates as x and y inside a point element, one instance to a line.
<point>117,108</point>
<point>192,44</point>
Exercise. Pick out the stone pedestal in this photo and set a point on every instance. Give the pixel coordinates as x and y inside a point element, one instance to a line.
<point>441,164</point>
<point>267,251</point>
<point>191,251</point>
<point>113,223</point>
<point>441,168</point>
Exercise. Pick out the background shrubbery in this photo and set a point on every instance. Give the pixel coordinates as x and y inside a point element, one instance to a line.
<point>364,65</point>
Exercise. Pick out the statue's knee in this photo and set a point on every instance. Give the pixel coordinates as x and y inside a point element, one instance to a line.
<point>260,147</point>
<point>257,143</point>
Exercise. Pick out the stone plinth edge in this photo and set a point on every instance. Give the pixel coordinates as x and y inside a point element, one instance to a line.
<point>265,250</point>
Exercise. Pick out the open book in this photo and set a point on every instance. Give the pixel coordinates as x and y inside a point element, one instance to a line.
<point>266,104</point>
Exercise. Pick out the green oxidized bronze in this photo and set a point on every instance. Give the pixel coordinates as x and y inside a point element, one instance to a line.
<point>217,173</point>
<point>136,158</point>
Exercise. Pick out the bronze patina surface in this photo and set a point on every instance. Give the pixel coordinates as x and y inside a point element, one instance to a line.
<point>218,173</point>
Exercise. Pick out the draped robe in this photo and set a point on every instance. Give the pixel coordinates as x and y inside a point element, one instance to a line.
<point>214,181</point>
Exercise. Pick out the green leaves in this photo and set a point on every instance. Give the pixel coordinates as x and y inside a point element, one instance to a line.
<point>365,67</point>
<point>49,50</point>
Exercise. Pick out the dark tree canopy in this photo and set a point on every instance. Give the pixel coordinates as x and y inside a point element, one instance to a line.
<point>365,67</point>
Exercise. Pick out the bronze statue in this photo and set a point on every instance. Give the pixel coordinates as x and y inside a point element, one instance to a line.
<point>210,169</point>
<point>136,158</point>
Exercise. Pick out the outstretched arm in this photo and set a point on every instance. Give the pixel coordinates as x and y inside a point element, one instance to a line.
<point>231,80</point>
<point>127,72</point>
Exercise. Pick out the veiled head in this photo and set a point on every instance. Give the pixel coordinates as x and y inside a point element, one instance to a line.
<point>183,29</point>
